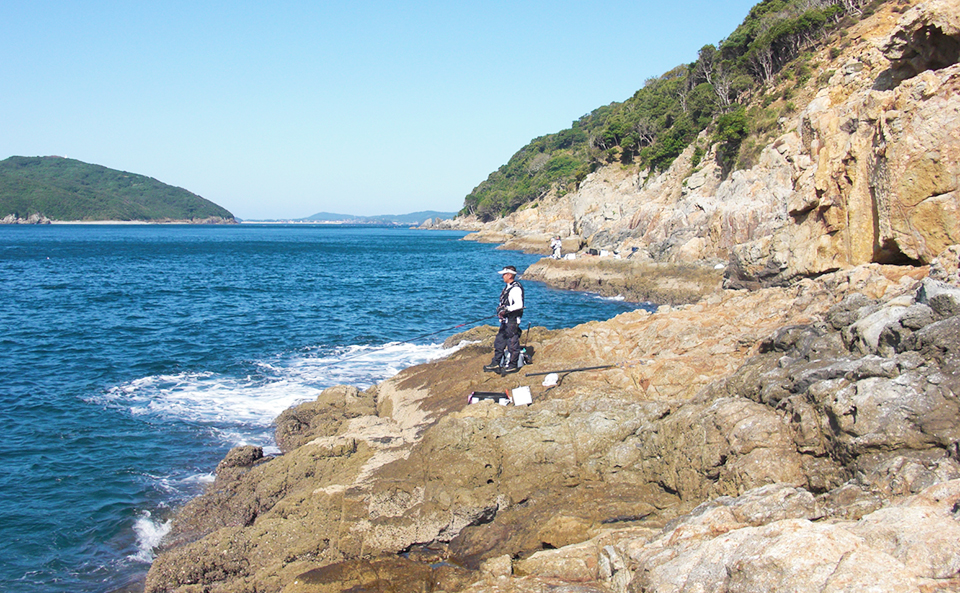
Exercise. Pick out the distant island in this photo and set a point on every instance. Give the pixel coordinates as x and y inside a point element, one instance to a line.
<point>59,189</point>
<point>412,219</point>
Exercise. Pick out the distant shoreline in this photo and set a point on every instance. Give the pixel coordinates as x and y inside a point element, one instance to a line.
<point>141,222</point>
<point>191,222</point>
<point>113,222</point>
<point>354,223</point>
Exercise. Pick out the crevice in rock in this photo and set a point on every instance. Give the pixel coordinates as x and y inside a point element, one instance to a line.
<point>934,49</point>
<point>668,489</point>
<point>888,252</point>
<point>800,216</point>
<point>624,519</point>
<point>486,516</point>
<point>926,48</point>
<point>811,276</point>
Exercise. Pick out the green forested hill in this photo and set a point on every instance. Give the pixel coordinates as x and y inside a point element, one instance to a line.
<point>734,91</point>
<point>68,189</point>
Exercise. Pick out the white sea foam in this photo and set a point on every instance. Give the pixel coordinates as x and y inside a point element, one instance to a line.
<point>179,488</point>
<point>362,366</point>
<point>149,532</point>
<point>240,410</point>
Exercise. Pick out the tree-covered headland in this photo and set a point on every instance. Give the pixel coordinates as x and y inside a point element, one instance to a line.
<point>735,92</point>
<point>70,190</point>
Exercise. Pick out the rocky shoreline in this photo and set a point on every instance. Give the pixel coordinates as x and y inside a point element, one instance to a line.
<point>41,219</point>
<point>635,281</point>
<point>862,167</point>
<point>788,420</point>
<point>799,438</point>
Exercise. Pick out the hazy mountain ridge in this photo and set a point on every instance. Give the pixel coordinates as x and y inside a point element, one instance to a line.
<point>414,218</point>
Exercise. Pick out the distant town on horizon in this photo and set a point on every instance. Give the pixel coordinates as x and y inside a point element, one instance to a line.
<point>333,218</point>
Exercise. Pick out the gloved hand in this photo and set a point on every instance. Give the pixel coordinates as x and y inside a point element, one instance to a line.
<point>502,312</point>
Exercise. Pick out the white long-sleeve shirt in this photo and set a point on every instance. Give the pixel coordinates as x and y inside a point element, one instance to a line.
<point>511,298</point>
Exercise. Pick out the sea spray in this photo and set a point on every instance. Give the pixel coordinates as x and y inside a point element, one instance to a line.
<point>150,532</point>
<point>241,410</point>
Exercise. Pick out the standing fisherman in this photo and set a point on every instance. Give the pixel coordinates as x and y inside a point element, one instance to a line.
<point>510,310</point>
<point>556,245</point>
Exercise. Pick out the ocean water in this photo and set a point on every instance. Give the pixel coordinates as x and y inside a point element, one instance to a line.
<point>132,358</point>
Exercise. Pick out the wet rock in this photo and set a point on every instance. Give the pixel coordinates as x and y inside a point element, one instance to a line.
<point>323,417</point>
<point>381,574</point>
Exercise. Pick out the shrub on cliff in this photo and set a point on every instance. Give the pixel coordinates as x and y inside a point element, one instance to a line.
<point>661,119</point>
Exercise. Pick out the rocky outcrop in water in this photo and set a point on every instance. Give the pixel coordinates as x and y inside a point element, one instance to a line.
<point>32,219</point>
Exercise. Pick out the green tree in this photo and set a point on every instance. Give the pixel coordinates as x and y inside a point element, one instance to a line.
<point>730,132</point>
<point>662,118</point>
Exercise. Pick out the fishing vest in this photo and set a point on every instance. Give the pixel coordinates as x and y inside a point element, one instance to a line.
<point>505,298</point>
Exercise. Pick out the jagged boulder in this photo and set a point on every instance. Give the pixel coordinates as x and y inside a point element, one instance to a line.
<point>322,417</point>
<point>926,38</point>
<point>911,546</point>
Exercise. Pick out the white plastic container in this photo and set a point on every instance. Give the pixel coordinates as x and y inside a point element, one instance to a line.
<point>521,396</point>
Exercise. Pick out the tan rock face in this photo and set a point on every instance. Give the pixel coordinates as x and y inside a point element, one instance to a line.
<point>718,551</point>
<point>866,172</point>
<point>870,175</point>
<point>635,280</point>
<point>925,38</point>
<point>887,170</point>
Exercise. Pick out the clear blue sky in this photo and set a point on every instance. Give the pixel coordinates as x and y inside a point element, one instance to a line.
<point>278,109</point>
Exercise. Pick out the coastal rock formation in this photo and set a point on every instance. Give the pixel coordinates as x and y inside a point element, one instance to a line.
<point>32,219</point>
<point>717,450</point>
<point>459,223</point>
<point>865,171</point>
<point>632,279</point>
<point>776,538</point>
<point>795,426</point>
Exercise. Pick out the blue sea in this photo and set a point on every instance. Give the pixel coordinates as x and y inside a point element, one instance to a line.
<point>132,358</point>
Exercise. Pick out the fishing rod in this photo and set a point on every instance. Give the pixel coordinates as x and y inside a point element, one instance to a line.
<point>622,364</point>
<point>408,340</point>
<point>597,368</point>
<point>446,329</point>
